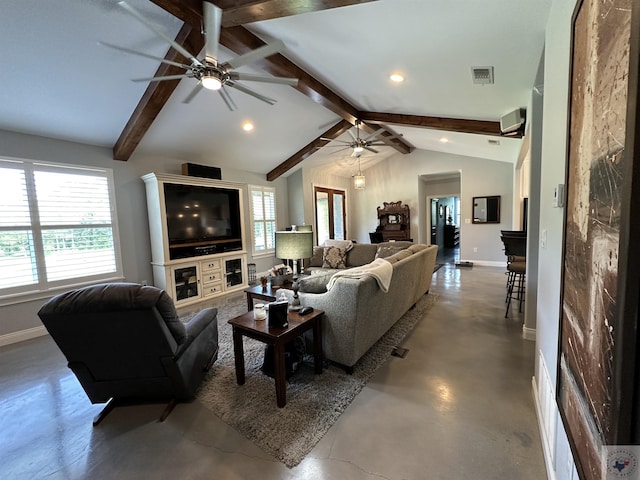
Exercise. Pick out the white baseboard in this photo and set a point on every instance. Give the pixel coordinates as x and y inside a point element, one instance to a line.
<point>548,457</point>
<point>486,263</point>
<point>528,333</point>
<point>22,335</point>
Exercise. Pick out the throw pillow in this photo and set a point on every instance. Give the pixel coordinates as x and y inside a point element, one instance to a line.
<point>402,254</point>
<point>385,251</point>
<point>314,283</point>
<point>334,257</point>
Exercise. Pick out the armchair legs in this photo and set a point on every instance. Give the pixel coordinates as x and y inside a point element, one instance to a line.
<point>108,407</point>
<point>113,403</point>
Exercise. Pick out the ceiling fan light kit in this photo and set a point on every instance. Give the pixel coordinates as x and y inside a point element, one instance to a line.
<point>210,74</point>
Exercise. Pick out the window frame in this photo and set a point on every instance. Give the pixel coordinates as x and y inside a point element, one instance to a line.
<point>46,288</point>
<point>267,252</point>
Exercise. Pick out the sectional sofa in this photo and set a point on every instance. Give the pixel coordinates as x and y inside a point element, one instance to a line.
<point>357,310</point>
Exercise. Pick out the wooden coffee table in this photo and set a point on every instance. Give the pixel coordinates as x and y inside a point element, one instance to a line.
<point>278,337</point>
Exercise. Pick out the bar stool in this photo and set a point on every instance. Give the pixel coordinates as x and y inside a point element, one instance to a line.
<point>515,248</point>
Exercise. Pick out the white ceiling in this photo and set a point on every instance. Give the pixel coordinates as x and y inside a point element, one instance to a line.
<point>56,81</point>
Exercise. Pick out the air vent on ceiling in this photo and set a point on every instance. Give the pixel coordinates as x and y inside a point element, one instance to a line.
<point>493,142</point>
<point>482,75</point>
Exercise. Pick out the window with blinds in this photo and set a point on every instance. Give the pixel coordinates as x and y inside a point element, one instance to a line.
<point>57,226</point>
<point>263,219</point>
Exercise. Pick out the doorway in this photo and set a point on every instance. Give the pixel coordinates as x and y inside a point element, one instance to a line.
<point>444,226</point>
<point>331,214</point>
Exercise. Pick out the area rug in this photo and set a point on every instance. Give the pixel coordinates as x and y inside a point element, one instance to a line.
<point>314,402</point>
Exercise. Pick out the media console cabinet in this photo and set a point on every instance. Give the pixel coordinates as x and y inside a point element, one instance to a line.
<point>209,264</point>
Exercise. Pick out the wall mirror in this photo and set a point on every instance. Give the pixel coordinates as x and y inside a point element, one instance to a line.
<point>486,209</point>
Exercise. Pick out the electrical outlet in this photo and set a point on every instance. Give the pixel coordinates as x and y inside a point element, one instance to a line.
<point>475,249</point>
<point>144,283</point>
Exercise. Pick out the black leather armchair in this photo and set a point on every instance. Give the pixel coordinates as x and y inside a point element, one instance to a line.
<point>126,344</point>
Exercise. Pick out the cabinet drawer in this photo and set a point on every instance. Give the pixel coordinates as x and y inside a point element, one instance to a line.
<point>210,265</point>
<point>210,277</point>
<point>211,289</point>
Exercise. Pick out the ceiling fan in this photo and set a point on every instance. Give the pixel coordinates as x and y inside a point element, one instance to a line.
<point>359,145</point>
<point>207,71</point>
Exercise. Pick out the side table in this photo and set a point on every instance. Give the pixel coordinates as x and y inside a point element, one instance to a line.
<point>246,325</point>
<point>268,294</point>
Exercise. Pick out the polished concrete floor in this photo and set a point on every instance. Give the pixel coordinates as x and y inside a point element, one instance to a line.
<point>458,406</point>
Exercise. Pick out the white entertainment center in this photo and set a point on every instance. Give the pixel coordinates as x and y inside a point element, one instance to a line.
<point>214,261</point>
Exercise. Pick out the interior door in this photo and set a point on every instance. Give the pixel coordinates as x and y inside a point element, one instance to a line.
<point>331,214</point>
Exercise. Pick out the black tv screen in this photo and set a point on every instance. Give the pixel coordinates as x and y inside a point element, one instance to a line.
<point>199,214</point>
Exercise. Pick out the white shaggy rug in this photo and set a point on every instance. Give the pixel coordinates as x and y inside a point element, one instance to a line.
<point>314,402</point>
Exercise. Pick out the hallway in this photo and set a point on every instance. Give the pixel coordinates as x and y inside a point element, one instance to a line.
<point>458,406</point>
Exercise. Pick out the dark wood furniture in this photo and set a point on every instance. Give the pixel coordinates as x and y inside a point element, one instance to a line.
<point>394,221</point>
<point>258,292</point>
<point>278,337</point>
<point>451,236</point>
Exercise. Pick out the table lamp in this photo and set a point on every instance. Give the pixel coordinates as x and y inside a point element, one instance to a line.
<point>294,245</point>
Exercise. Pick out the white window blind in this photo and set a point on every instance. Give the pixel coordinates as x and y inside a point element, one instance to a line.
<point>263,219</point>
<point>56,226</point>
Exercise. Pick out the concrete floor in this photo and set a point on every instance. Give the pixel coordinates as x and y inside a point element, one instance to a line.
<point>459,406</point>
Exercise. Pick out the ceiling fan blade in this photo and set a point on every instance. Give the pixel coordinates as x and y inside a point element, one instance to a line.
<point>371,149</point>
<point>179,48</point>
<point>374,134</point>
<point>160,79</point>
<point>146,55</point>
<point>250,77</point>
<point>248,91</point>
<point>197,89</point>
<point>231,105</point>
<point>254,55</point>
<point>355,139</point>
<point>212,22</point>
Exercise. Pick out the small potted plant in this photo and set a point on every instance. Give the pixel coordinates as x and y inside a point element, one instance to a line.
<point>263,282</point>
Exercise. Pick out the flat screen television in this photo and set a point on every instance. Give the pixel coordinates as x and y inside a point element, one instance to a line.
<point>202,220</point>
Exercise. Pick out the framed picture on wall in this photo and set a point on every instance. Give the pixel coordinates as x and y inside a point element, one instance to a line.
<point>597,381</point>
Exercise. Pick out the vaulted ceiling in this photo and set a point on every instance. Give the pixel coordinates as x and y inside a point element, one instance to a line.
<point>58,82</point>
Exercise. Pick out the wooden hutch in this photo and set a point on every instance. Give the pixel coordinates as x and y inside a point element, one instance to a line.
<point>394,223</point>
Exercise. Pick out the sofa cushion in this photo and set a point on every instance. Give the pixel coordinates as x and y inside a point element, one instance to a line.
<point>416,247</point>
<point>334,257</point>
<point>315,283</point>
<point>361,254</point>
<point>399,255</point>
<point>316,259</point>
<point>387,250</point>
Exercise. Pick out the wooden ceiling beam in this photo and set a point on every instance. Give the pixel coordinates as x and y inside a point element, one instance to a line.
<point>244,12</point>
<point>480,127</point>
<point>156,95</point>
<point>309,149</point>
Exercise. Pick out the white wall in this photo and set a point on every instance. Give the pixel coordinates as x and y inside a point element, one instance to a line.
<point>131,209</point>
<point>398,179</point>
<point>554,143</point>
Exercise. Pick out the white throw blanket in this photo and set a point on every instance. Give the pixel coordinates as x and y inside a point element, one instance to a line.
<point>379,269</point>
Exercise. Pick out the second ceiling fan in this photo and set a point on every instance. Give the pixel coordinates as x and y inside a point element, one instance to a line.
<point>359,145</point>
<point>209,73</point>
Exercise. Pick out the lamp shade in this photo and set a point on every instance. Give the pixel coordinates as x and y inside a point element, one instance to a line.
<point>359,181</point>
<point>294,245</point>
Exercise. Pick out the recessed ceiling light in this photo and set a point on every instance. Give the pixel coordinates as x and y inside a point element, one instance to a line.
<point>247,126</point>
<point>444,140</point>
<point>396,77</point>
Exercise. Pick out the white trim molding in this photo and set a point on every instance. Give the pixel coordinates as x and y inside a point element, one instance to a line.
<point>22,335</point>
